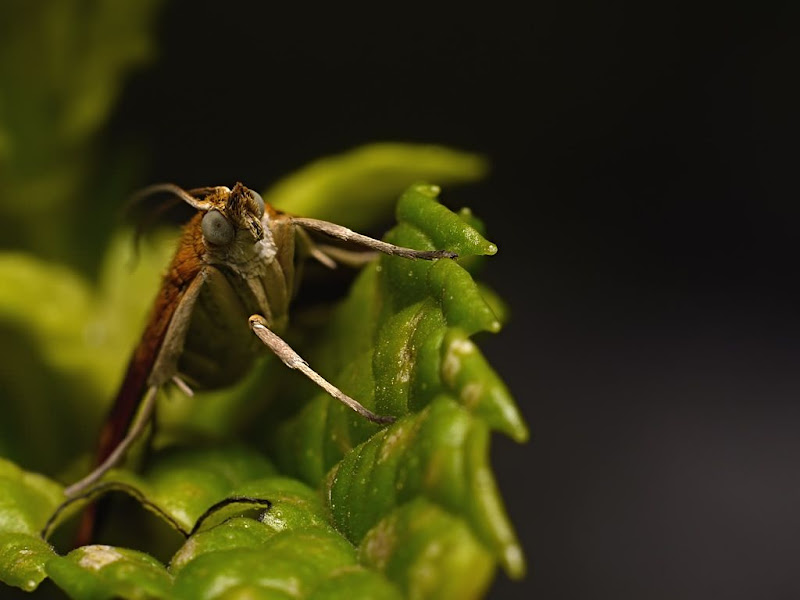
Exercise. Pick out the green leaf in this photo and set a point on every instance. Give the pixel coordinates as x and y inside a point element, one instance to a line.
<point>440,453</point>
<point>408,510</point>
<point>408,353</point>
<point>98,572</point>
<point>26,499</point>
<point>62,67</point>
<point>26,502</point>
<point>292,562</point>
<point>182,483</point>
<point>22,559</point>
<point>428,552</point>
<point>354,582</point>
<point>83,333</point>
<point>477,387</point>
<point>417,207</point>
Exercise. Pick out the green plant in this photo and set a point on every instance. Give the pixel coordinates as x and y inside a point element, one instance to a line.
<point>407,510</point>
<point>357,510</point>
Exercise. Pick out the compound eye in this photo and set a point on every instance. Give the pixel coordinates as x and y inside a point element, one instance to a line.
<point>217,229</point>
<point>259,202</point>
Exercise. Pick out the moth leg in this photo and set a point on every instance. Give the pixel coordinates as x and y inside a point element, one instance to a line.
<point>182,386</point>
<point>348,258</point>
<point>314,250</point>
<point>134,431</point>
<point>348,235</point>
<point>293,360</point>
<point>332,256</point>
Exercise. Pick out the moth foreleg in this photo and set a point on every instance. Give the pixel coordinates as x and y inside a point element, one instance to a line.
<point>138,425</point>
<point>293,360</point>
<point>331,256</point>
<point>348,235</point>
<point>182,386</point>
<point>348,258</point>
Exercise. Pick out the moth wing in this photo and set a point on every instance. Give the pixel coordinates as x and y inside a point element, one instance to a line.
<point>154,361</point>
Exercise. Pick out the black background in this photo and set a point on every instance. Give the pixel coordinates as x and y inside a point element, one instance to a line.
<point>643,201</point>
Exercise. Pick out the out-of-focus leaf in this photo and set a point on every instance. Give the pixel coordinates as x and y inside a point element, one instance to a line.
<point>62,66</point>
<point>84,334</point>
<point>355,582</point>
<point>26,499</point>
<point>359,187</point>
<point>430,553</point>
<point>26,502</point>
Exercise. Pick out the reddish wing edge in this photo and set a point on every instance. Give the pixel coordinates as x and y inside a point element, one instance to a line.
<point>185,266</point>
<point>134,383</point>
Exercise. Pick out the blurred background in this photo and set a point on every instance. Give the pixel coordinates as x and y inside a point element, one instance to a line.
<point>640,194</point>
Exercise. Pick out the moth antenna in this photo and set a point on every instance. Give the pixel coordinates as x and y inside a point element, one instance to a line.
<point>146,223</point>
<point>177,191</point>
<point>177,195</point>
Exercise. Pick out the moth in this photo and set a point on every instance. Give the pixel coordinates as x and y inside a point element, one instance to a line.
<point>225,295</point>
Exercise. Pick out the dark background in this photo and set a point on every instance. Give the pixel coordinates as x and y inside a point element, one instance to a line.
<point>643,201</point>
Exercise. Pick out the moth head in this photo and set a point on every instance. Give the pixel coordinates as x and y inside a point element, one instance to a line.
<point>229,211</point>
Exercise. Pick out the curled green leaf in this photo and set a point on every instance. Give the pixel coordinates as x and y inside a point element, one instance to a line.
<point>466,373</point>
<point>411,355</point>
<point>417,207</point>
<point>355,582</point>
<point>440,453</point>
<point>291,562</point>
<point>293,506</point>
<point>99,572</point>
<point>428,553</point>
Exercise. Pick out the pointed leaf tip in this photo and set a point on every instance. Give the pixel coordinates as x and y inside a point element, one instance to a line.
<point>22,559</point>
<point>477,386</point>
<point>419,206</point>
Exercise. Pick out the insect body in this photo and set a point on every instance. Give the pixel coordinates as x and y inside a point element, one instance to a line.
<point>232,275</point>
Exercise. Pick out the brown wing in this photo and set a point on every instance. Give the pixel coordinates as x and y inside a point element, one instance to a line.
<point>185,266</point>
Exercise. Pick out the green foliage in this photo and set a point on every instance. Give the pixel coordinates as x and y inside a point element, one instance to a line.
<point>62,66</point>
<point>356,511</point>
<point>408,510</point>
<point>64,342</point>
<point>26,500</point>
<point>95,572</point>
<point>357,188</point>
